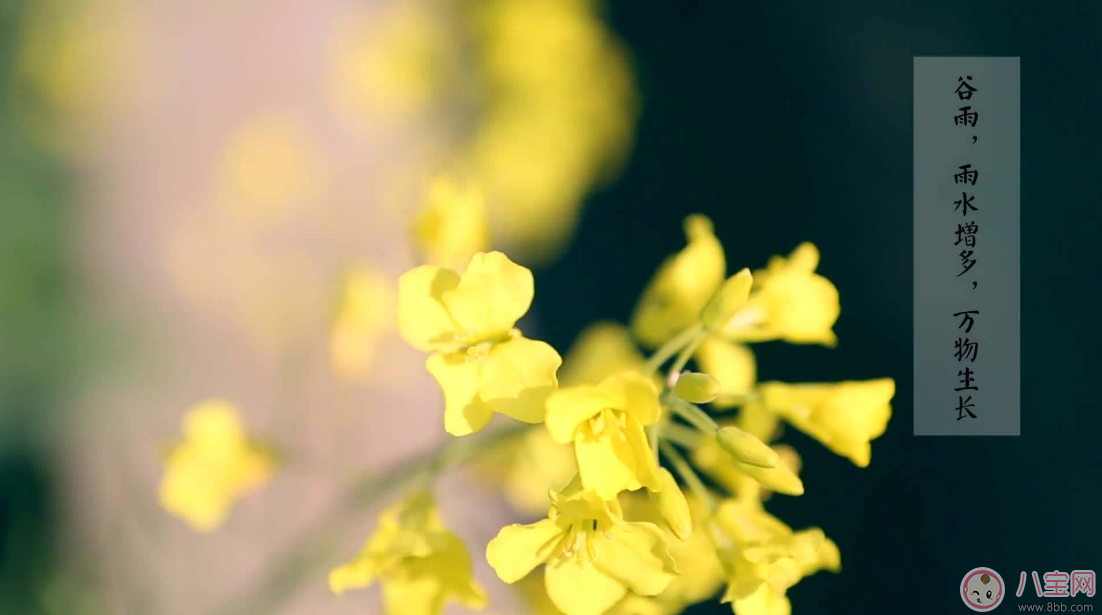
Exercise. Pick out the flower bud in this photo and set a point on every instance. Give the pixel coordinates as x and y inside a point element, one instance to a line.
<point>727,301</point>
<point>696,388</point>
<point>746,447</point>
<point>672,505</point>
<point>780,479</point>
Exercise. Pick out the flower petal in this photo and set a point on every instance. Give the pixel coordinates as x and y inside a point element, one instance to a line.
<point>518,377</point>
<point>636,555</point>
<point>606,463</point>
<point>646,467</point>
<point>640,396</point>
<point>458,377</point>
<point>518,549</point>
<point>567,408</point>
<point>423,320</point>
<point>581,589</point>
<point>492,295</point>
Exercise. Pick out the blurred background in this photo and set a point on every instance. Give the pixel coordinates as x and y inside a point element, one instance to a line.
<point>185,185</point>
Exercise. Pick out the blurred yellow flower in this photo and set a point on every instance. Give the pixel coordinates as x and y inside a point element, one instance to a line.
<point>763,557</point>
<point>72,58</point>
<point>605,422</point>
<point>394,63</point>
<point>366,312</point>
<point>213,466</point>
<point>601,350</point>
<point>557,115</point>
<point>483,364</point>
<point>451,226</point>
<point>270,164</point>
<point>593,556</point>
<point>732,364</point>
<point>790,302</point>
<point>420,564</point>
<point>682,285</point>
<point>845,416</point>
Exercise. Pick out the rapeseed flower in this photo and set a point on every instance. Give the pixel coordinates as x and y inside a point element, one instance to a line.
<point>845,416</point>
<point>420,564</point>
<point>215,464</point>
<point>593,556</point>
<point>482,363</point>
<point>605,422</point>
<point>682,285</point>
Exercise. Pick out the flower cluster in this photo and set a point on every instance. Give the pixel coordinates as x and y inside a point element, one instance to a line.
<point>649,504</point>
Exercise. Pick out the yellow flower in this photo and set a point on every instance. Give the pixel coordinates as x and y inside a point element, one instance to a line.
<point>451,226</point>
<point>394,63</point>
<point>593,556</point>
<point>601,350</point>
<point>682,285</point>
<point>545,67</point>
<point>214,465</point>
<point>732,364</point>
<point>845,416</point>
<point>605,421</point>
<point>763,557</point>
<point>789,301</point>
<point>483,364</point>
<point>366,312</point>
<point>701,573</point>
<point>420,564</point>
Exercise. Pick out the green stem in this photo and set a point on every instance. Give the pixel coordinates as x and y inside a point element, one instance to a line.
<point>670,348</point>
<point>688,475</point>
<point>681,435</point>
<point>693,414</point>
<point>687,352</point>
<point>317,546</point>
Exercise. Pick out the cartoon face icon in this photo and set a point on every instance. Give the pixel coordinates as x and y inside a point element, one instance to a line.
<point>982,589</point>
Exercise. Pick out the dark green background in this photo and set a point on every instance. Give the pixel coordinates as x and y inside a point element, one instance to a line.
<point>784,122</point>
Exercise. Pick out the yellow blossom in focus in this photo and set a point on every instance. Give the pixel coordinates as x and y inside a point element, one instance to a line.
<point>593,556</point>
<point>682,285</point>
<point>420,564</point>
<point>269,165</point>
<point>365,313</point>
<point>732,364</point>
<point>789,301</point>
<point>483,364</point>
<point>601,350</point>
<point>845,416</point>
<point>557,114</point>
<point>395,63</point>
<point>213,466</point>
<point>451,226</point>
<point>605,422</point>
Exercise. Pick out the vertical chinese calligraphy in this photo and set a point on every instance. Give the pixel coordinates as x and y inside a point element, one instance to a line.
<point>965,349</point>
<point>967,260</point>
